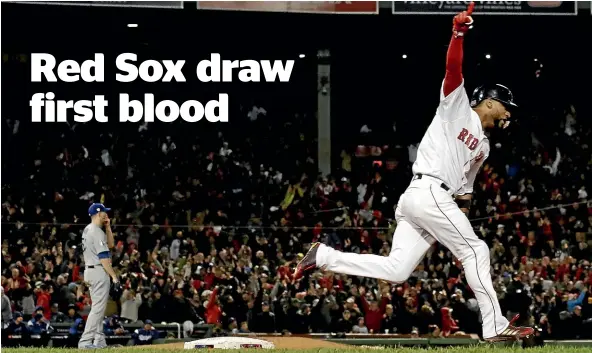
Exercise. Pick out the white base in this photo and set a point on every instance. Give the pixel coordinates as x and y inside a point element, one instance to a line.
<point>228,343</point>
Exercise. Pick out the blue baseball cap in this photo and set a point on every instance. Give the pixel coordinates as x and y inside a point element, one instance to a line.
<point>96,208</point>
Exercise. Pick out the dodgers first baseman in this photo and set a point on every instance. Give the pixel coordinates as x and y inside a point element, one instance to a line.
<point>97,261</point>
<point>434,205</point>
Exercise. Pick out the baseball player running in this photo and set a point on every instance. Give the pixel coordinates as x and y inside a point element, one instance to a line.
<point>434,206</point>
<point>95,247</point>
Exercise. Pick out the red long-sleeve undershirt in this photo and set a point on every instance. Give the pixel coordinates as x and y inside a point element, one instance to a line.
<point>454,59</point>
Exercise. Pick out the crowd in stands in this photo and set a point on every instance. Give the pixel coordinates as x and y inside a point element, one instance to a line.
<point>210,223</point>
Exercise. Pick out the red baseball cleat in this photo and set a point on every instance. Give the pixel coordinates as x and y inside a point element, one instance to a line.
<point>512,333</point>
<point>308,262</point>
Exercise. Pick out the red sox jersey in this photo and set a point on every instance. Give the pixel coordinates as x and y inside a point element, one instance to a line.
<point>454,147</point>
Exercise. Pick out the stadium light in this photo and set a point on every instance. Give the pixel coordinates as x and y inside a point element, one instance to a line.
<point>132,25</point>
<point>301,56</point>
<point>487,56</point>
<point>404,56</point>
<point>535,59</point>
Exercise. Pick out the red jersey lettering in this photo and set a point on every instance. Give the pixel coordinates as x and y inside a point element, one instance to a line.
<point>463,134</point>
<point>480,156</point>
<point>470,141</point>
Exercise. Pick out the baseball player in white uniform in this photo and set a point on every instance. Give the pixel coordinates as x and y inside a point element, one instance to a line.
<point>97,262</point>
<point>434,206</point>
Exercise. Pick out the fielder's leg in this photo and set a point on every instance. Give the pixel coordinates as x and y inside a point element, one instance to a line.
<point>98,295</point>
<point>410,243</point>
<point>103,293</point>
<point>451,227</point>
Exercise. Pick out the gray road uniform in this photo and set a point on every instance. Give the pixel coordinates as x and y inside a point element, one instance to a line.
<point>94,246</point>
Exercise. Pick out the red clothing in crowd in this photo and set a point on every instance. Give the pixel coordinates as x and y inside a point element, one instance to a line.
<point>17,283</point>
<point>561,271</point>
<point>23,269</point>
<point>84,307</point>
<point>449,325</point>
<point>326,282</point>
<point>197,284</point>
<point>213,312</point>
<point>373,318</point>
<point>209,280</point>
<point>285,273</point>
<point>75,273</point>
<point>43,300</point>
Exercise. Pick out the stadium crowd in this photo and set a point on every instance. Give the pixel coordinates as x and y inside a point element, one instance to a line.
<point>208,227</point>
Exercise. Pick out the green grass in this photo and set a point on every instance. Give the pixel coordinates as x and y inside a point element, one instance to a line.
<point>465,349</point>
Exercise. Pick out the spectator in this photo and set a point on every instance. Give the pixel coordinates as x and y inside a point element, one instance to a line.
<point>518,300</point>
<point>344,324</point>
<point>575,322</point>
<point>43,292</point>
<point>130,304</point>
<point>244,328</point>
<point>213,312</point>
<point>351,306</point>
<point>76,329</point>
<point>426,319</point>
<point>28,302</point>
<point>360,327</point>
<point>232,326</point>
<point>301,320</point>
<point>6,309</point>
<point>17,326</point>
<point>389,324</point>
<point>38,310</point>
<point>373,311</point>
<point>112,326</point>
<point>574,302</point>
<point>56,315</point>
<point>265,319</point>
<point>449,325</point>
<point>39,325</point>
<point>146,335</point>
<point>72,315</point>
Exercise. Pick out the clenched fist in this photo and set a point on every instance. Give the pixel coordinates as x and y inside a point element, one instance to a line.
<point>463,21</point>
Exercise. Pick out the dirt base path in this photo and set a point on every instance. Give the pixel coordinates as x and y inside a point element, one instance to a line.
<point>279,342</point>
<point>302,343</point>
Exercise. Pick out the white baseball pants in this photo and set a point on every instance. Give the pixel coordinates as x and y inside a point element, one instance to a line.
<point>426,213</point>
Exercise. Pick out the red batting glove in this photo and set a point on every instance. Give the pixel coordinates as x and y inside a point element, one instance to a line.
<point>463,21</point>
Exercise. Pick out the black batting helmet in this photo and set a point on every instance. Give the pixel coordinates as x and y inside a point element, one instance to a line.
<point>496,92</point>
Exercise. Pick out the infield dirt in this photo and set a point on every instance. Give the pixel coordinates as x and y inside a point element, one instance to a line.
<point>279,342</point>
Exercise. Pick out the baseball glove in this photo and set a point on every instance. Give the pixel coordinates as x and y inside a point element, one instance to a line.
<point>115,291</point>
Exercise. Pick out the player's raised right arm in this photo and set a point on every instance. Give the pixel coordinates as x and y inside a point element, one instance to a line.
<point>454,57</point>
